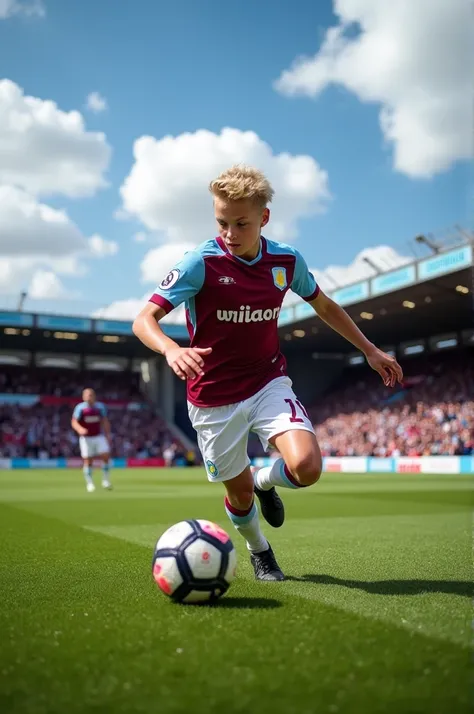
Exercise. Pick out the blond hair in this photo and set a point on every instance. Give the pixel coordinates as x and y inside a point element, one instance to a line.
<point>243,183</point>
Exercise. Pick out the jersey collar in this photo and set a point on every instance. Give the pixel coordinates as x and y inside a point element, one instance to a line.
<point>262,250</point>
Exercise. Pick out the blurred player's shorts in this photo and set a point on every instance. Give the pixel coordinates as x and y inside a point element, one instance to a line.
<point>222,432</point>
<point>93,446</point>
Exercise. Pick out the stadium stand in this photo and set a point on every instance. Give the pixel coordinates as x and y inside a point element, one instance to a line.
<point>40,428</point>
<point>432,413</point>
<point>113,385</point>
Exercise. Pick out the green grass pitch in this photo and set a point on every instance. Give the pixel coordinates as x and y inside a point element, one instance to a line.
<point>376,614</point>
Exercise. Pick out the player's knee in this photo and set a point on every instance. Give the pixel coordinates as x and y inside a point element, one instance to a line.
<point>308,469</point>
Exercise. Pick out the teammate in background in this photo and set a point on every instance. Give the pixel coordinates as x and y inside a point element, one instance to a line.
<point>168,454</point>
<point>89,420</point>
<point>233,287</point>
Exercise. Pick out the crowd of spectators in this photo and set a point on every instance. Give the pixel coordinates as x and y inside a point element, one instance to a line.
<point>43,430</point>
<point>115,385</point>
<point>432,413</point>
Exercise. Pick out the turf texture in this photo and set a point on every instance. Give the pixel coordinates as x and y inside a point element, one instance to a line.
<point>375,616</point>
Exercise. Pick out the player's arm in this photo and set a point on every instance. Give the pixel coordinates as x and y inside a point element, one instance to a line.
<point>304,285</point>
<point>105,423</point>
<point>78,428</point>
<point>182,283</point>
<point>184,361</point>
<point>146,327</point>
<point>338,319</point>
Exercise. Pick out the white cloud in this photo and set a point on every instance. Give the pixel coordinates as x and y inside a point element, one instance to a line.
<point>46,284</point>
<point>412,57</point>
<point>46,150</point>
<point>96,102</point>
<point>101,248</point>
<point>34,236</point>
<point>29,227</point>
<point>167,185</point>
<point>154,267</point>
<point>158,262</point>
<point>140,237</point>
<point>122,309</point>
<point>17,272</point>
<point>9,8</point>
<point>167,190</point>
<point>128,310</point>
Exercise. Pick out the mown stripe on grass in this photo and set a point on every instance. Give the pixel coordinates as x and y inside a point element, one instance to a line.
<point>413,572</point>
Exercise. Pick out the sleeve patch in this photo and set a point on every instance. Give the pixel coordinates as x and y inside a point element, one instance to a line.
<point>170,279</point>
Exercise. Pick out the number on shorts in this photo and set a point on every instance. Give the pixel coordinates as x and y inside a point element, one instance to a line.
<point>294,418</point>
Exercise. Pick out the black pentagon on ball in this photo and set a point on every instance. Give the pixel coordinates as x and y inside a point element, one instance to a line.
<point>217,586</point>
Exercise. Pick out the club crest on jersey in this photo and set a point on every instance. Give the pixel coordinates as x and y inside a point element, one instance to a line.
<point>170,279</point>
<point>279,278</point>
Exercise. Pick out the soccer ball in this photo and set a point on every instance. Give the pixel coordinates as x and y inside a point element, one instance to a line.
<point>194,561</point>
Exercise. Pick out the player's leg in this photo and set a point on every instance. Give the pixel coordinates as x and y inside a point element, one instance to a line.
<point>87,470</point>
<point>106,483</point>
<point>104,456</point>
<point>242,511</point>
<point>301,462</point>
<point>84,446</point>
<point>222,439</point>
<point>281,420</point>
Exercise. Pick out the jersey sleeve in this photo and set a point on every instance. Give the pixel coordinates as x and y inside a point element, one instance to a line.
<point>304,283</point>
<point>182,283</point>
<point>77,413</point>
<point>102,409</point>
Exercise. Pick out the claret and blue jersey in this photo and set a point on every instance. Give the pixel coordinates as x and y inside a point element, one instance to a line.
<point>232,305</point>
<point>90,416</point>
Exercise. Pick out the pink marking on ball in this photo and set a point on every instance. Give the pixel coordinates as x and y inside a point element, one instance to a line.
<point>216,531</point>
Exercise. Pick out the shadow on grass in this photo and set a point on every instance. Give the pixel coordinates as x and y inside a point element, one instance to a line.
<point>393,587</point>
<point>243,603</point>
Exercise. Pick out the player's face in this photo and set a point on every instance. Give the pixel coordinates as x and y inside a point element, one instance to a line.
<point>239,224</point>
<point>88,396</point>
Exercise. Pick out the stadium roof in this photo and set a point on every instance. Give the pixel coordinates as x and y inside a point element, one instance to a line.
<point>441,305</point>
<point>428,297</point>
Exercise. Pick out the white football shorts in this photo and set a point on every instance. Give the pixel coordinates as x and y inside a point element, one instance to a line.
<point>92,446</point>
<point>222,432</point>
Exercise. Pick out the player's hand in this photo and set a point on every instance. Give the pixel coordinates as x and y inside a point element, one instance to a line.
<point>386,366</point>
<point>187,362</point>
<point>83,431</point>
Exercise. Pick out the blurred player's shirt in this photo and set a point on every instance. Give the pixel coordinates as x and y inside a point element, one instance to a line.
<point>232,305</point>
<point>90,417</point>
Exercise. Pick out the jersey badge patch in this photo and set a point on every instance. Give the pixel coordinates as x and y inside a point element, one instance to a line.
<point>279,278</point>
<point>170,279</point>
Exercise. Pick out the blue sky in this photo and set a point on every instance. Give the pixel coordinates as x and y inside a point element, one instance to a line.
<point>170,68</point>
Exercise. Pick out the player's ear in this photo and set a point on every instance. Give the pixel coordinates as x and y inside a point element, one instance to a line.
<point>265,217</point>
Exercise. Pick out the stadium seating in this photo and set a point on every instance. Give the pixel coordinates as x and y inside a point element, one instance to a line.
<point>431,414</point>
<point>61,383</point>
<point>41,428</point>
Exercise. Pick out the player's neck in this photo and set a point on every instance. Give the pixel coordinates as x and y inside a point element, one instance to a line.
<point>252,253</point>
